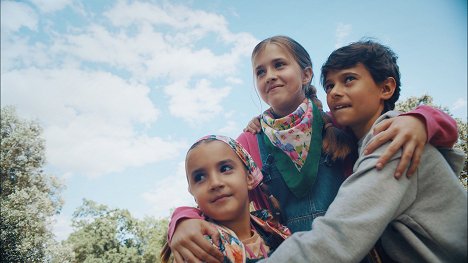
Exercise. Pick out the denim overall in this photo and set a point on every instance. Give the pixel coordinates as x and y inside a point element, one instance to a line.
<point>299,213</point>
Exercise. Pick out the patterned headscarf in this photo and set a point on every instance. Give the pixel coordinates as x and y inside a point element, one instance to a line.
<point>240,151</point>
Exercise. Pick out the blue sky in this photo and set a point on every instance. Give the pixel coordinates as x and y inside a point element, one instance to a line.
<point>122,88</point>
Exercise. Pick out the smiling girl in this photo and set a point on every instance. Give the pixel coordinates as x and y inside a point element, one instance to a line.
<point>219,174</point>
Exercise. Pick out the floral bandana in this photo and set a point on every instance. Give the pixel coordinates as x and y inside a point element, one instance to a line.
<point>237,252</point>
<point>292,133</point>
<point>241,152</point>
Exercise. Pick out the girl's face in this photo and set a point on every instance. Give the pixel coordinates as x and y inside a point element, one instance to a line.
<point>354,99</point>
<point>219,181</point>
<point>280,79</point>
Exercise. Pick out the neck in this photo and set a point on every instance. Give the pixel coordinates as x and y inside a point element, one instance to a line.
<point>361,129</point>
<point>240,226</point>
<point>281,112</point>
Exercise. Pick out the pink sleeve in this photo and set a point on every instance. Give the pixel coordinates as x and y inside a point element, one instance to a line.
<point>182,212</point>
<point>441,128</point>
<point>250,144</point>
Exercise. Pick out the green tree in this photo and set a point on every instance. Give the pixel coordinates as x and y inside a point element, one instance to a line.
<point>29,197</point>
<point>113,235</point>
<point>461,144</point>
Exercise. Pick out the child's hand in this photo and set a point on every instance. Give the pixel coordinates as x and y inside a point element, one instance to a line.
<point>188,240</point>
<point>406,132</point>
<point>254,126</point>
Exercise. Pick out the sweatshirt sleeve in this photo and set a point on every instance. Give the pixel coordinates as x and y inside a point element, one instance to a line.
<point>183,212</point>
<point>441,128</point>
<point>366,203</point>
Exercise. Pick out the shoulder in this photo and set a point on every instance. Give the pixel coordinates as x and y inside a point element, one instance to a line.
<point>369,136</point>
<point>247,138</point>
<point>250,143</point>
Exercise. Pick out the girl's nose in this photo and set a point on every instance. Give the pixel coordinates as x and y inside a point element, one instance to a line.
<point>271,76</point>
<point>216,182</point>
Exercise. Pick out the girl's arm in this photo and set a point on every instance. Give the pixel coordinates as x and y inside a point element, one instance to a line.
<point>186,232</point>
<point>410,131</point>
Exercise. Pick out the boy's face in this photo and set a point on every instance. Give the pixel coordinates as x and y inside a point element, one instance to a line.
<point>354,99</point>
<point>279,79</point>
<point>219,181</point>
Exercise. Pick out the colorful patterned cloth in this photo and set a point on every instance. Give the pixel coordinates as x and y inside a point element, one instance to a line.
<point>295,143</point>
<point>236,252</point>
<point>291,133</point>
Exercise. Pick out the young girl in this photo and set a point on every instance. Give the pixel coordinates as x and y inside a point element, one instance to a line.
<point>418,219</point>
<point>219,174</point>
<point>300,151</point>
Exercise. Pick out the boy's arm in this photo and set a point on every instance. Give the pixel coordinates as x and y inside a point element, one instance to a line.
<point>187,242</point>
<point>411,131</point>
<point>366,203</point>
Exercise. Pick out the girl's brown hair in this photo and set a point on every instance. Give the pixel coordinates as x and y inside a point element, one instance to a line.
<point>336,143</point>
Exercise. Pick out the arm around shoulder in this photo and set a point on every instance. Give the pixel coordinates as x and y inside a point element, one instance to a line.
<point>366,203</point>
<point>441,129</point>
<point>180,213</point>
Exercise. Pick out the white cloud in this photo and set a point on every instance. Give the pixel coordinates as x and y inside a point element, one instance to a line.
<point>89,85</point>
<point>89,119</point>
<point>47,6</point>
<point>169,193</point>
<point>197,104</point>
<point>60,94</point>
<point>15,15</point>
<point>458,104</point>
<point>61,227</point>
<point>342,32</point>
<point>230,129</point>
<point>179,17</point>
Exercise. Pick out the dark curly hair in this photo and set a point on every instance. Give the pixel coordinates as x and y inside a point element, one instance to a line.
<point>379,60</point>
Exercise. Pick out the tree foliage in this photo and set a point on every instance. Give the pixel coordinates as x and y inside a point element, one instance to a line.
<point>113,235</point>
<point>29,197</point>
<point>461,144</point>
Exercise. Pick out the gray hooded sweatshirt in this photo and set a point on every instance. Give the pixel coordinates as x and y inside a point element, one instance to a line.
<point>418,219</point>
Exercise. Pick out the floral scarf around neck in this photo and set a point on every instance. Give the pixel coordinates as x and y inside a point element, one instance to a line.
<point>291,133</point>
<point>295,142</point>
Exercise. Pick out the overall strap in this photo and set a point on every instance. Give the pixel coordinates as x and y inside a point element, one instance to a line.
<point>267,163</point>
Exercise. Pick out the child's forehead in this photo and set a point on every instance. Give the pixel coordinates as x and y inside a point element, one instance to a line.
<point>272,49</point>
<point>211,147</point>
<point>357,68</point>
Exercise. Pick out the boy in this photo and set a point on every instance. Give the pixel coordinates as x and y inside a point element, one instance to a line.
<point>418,219</point>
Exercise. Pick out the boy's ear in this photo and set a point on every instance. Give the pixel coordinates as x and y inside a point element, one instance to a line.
<point>388,88</point>
<point>250,181</point>
<point>307,75</point>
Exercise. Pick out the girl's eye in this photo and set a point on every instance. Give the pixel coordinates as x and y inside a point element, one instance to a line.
<point>260,72</point>
<point>279,64</point>
<point>226,168</point>
<point>198,177</point>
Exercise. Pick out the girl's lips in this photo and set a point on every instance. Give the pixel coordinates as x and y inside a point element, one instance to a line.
<point>220,198</point>
<point>273,87</point>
